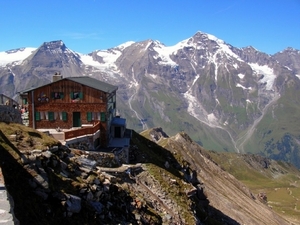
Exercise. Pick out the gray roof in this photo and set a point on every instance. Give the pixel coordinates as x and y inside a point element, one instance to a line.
<point>87,81</point>
<point>94,83</point>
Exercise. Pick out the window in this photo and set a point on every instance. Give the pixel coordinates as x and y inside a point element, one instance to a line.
<point>64,116</point>
<point>94,116</point>
<point>103,117</point>
<point>89,116</point>
<point>25,101</point>
<point>76,95</point>
<point>51,116</point>
<point>43,115</point>
<point>57,95</point>
<point>37,116</point>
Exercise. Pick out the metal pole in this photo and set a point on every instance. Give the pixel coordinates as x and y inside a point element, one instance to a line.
<point>33,113</point>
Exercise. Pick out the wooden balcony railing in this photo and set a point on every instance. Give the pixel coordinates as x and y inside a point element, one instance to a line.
<point>82,131</point>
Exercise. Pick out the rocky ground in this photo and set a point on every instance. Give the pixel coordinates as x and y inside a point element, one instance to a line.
<point>175,184</point>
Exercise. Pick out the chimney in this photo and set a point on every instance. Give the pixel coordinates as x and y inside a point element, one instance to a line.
<point>57,76</point>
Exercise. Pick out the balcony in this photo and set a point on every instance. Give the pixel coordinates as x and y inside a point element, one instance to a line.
<point>85,130</point>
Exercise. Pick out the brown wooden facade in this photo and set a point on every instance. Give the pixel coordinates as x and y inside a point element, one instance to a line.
<point>72,102</point>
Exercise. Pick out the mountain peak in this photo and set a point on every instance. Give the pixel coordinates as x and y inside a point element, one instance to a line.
<point>250,49</point>
<point>291,50</point>
<point>205,37</point>
<point>125,45</point>
<point>54,45</point>
<point>153,43</point>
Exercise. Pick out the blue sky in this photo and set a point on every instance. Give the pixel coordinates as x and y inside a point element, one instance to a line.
<point>88,25</point>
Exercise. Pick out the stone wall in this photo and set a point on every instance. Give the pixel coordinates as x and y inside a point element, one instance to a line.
<point>9,114</point>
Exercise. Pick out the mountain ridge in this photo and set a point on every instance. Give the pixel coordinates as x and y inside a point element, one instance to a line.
<point>221,95</point>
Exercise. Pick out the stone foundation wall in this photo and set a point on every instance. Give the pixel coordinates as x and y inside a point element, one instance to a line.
<point>9,114</point>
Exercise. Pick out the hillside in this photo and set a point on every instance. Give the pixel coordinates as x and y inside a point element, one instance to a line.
<point>276,183</point>
<point>169,181</point>
<point>277,180</point>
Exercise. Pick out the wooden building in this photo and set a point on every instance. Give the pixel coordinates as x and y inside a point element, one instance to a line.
<point>80,105</point>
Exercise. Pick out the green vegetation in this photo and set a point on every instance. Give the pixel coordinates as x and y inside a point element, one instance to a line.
<point>26,137</point>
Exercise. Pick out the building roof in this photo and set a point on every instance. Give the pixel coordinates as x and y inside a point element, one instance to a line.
<point>94,83</point>
<point>117,121</point>
<point>85,80</point>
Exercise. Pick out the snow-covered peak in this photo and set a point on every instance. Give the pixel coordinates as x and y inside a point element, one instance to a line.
<point>204,39</point>
<point>214,38</point>
<point>165,52</point>
<point>125,45</point>
<point>15,55</point>
<point>108,56</point>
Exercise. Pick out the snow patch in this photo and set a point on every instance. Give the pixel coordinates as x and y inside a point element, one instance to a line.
<point>267,72</point>
<point>125,45</point>
<point>154,76</point>
<point>15,55</point>
<point>88,60</point>
<point>109,57</point>
<point>297,75</point>
<point>164,53</point>
<point>222,51</point>
<point>288,68</point>
<point>235,65</point>
<point>223,46</point>
<point>239,85</point>
<point>241,76</point>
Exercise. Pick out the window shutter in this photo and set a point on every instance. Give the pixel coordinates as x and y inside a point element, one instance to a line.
<point>51,116</point>
<point>37,116</point>
<point>64,116</point>
<point>25,101</point>
<point>81,95</point>
<point>71,95</point>
<point>61,95</point>
<point>103,117</point>
<point>89,116</point>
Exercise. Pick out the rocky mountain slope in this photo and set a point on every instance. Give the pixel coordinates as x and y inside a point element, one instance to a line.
<point>226,98</point>
<point>175,184</point>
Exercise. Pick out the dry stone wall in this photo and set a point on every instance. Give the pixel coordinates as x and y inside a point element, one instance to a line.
<point>9,114</point>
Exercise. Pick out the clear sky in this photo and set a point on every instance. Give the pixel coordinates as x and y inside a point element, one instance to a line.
<point>88,25</point>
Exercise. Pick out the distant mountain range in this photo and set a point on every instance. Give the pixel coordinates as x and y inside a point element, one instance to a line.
<point>226,98</point>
